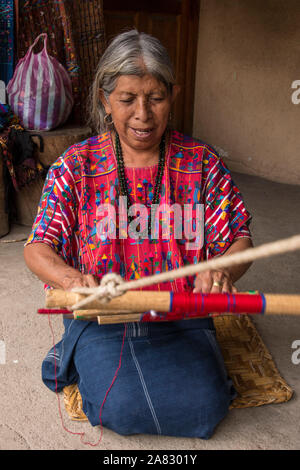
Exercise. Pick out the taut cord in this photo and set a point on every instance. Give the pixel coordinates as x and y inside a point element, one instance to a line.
<point>112,285</point>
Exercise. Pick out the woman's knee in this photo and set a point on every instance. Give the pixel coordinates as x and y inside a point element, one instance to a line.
<point>215,410</point>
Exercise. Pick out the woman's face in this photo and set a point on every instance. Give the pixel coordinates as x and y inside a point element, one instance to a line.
<point>140,109</point>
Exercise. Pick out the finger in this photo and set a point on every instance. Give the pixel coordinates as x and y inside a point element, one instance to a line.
<point>204,281</point>
<point>213,281</point>
<point>198,284</point>
<point>197,290</point>
<point>226,287</point>
<point>207,286</point>
<point>68,284</point>
<point>217,282</point>
<point>90,280</point>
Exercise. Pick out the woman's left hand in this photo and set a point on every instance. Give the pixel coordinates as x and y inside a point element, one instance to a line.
<point>214,281</point>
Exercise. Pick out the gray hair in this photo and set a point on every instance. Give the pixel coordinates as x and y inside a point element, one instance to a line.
<point>130,53</point>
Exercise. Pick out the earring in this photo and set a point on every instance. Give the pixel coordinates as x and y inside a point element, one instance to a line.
<point>106,120</point>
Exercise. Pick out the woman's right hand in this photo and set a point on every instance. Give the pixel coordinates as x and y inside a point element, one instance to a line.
<point>50,268</point>
<point>79,280</point>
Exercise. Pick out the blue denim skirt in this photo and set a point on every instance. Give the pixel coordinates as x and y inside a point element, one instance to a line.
<point>172,380</point>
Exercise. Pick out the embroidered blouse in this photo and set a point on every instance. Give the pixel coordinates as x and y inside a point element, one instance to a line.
<point>196,185</point>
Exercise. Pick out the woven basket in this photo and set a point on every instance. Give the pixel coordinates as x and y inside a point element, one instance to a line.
<point>73,403</point>
<point>248,362</point>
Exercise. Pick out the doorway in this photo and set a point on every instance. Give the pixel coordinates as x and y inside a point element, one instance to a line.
<point>175,24</point>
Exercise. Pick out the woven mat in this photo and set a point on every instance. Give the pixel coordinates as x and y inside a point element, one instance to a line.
<point>248,362</point>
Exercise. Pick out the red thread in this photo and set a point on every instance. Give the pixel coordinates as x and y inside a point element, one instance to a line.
<point>204,304</point>
<point>101,408</point>
<point>54,311</point>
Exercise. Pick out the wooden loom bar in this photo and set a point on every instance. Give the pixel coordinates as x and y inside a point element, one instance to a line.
<point>142,301</point>
<point>115,318</point>
<point>277,304</point>
<point>170,306</point>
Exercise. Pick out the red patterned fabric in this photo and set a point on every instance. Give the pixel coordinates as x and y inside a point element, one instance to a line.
<point>85,176</point>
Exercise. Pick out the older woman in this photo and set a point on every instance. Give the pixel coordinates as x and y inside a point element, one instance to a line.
<point>172,380</point>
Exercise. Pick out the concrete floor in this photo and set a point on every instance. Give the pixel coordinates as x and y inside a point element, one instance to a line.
<point>29,416</point>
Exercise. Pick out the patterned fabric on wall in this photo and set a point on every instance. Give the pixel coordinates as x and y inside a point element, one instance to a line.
<point>76,38</point>
<point>6,40</point>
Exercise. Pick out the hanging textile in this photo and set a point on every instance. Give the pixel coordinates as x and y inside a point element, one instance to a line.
<point>6,40</point>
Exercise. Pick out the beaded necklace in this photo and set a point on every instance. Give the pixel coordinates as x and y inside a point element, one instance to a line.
<point>158,180</point>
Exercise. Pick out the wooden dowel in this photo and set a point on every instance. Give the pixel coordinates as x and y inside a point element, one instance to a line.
<point>61,298</point>
<point>119,309</point>
<point>131,318</point>
<point>141,301</point>
<point>125,318</point>
<point>83,314</point>
<point>280,304</point>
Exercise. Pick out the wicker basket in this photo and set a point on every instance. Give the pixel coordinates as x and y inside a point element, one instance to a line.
<point>249,363</point>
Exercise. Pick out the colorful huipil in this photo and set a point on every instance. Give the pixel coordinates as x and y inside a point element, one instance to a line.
<point>84,181</point>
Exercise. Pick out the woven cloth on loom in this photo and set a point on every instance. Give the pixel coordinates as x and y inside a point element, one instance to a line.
<point>248,362</point>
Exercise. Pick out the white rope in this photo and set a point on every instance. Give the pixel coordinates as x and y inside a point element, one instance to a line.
<point>113,285</point>
<point>107,289</point>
